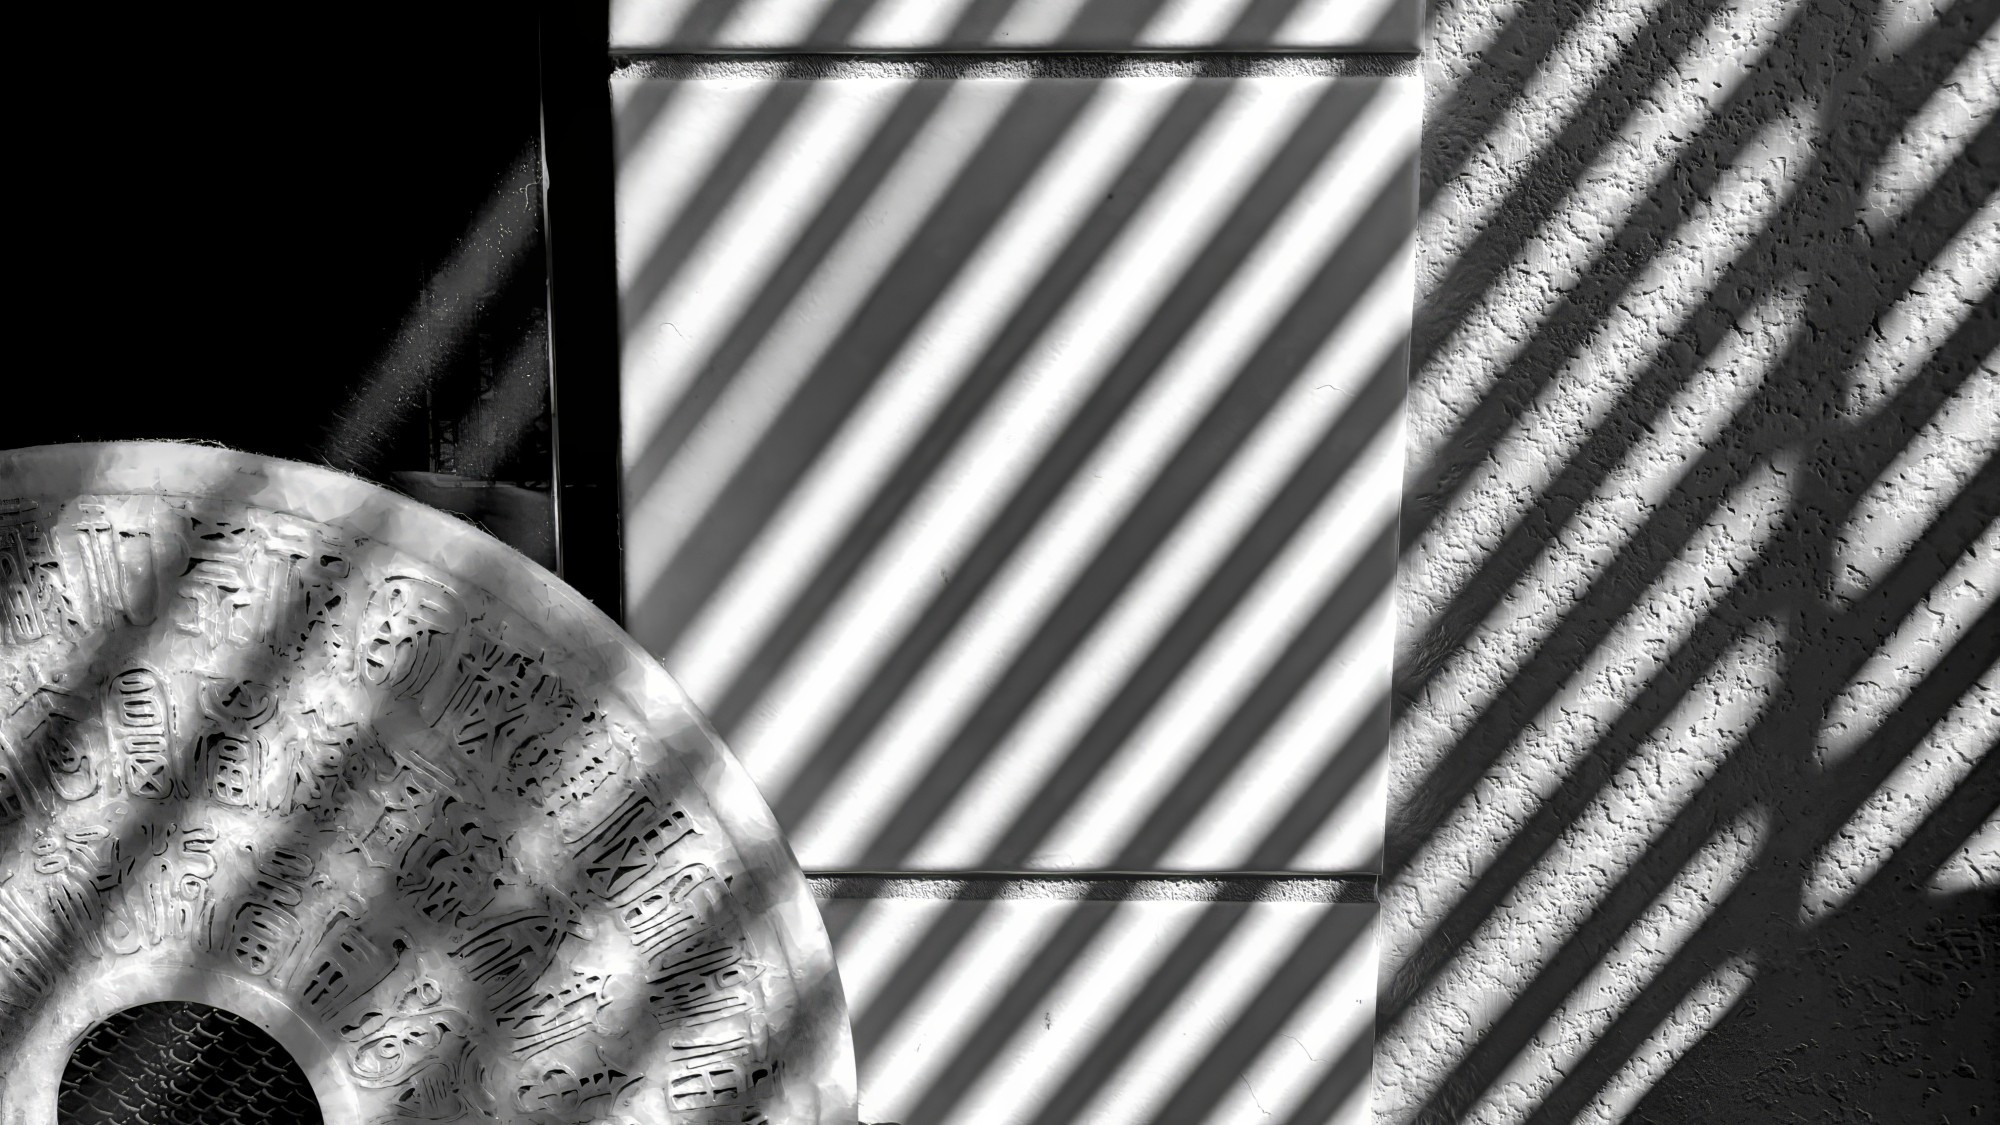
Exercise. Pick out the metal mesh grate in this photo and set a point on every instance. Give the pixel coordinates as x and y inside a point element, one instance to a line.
<point>183,1064</point>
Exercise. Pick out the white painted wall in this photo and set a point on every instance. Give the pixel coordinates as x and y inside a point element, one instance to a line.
<point>1013,448</point>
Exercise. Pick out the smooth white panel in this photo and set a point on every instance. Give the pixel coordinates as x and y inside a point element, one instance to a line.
<point>1048,1012</point>
<point>1012,463</point>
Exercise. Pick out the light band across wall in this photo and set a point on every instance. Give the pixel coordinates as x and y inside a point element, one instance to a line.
<point>279,741</point>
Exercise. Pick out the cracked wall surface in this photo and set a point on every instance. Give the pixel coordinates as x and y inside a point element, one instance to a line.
<point>1693,786</point>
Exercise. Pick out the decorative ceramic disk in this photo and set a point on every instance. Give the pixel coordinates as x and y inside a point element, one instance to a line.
<point>279,741</point>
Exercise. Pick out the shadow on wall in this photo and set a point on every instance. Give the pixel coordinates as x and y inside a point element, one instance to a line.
<point>1695,785</point>
<point>1694,689</point>
<point>1691,809</point>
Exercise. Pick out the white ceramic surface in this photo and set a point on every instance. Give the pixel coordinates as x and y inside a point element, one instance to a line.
<point>275,739</point>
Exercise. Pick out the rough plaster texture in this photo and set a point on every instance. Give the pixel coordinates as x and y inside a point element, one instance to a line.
<point>1695,687</point>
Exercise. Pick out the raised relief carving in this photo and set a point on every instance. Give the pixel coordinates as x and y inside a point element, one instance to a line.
<point>17,782</point>
<point>217,603</point>
<point>138,714</point>
<point>548,1018</point>
<point>266,930</point>
<point>719,1064</point>
<point>571,1093</point>
<point>236,760</point>
<point>450,873</point>
<point>347,964</point>
<point>503,960</point>
<point>23,585</point>
<point>109,571</point>
<point>625,845</point>
<point>419,1048</point>
<point>409,633</point>
<point>59,758</point>
<point>285,752</point>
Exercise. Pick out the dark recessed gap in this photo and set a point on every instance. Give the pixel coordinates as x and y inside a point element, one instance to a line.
<point>181,1063</point>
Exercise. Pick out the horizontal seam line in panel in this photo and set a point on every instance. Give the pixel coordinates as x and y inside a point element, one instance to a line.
<point>1039,64</point>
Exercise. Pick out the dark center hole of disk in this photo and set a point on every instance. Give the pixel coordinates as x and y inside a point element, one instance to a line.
<point>181,1063</point>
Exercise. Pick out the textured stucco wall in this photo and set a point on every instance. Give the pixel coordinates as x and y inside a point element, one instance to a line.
<point>1696,691</point>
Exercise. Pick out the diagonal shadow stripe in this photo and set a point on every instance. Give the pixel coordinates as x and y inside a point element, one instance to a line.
<point>675,250</point>
<point>1093,594</point>
<point>1275,691</point>
<point>776,107</point>
<point>1476,104</point>
<point>1260,1020</point>
<point>1609,277</point>
<point>947,934</point>
<point>1342,1079</point>
<point>1956,530</point>
<point>1816,811</point>
<point>1204,278</point>
<point>1781,945</point>
<point>908,289</point>
<point>1655,53</point>
<point>1800,367</point>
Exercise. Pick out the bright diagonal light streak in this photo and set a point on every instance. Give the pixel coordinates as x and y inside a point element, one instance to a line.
<point>1181,22</point>
<point>671,338</point>
<point>1350,834</point>
<point>485,257</point>
<point>1934,769</point>
<point>902,402</point>
<point>669,507</point>
<point>1336,1016</point>
<point>1514,942</point>
<point>908,22</point>
<point>667,342</point>
<point>1975,866</point>
<point>1642,484</point>
<point>954,1004</point>
<point>1476,26</point>
<point>1601,203</point>
<point>1911,654</point>
<point>1703,1007</point>
<point>775,21</point>
<point>664,162</point>
<point>1004,443</point>
<point>1903,340</point>
<point>644,21</point>
<point>1636,648</point>
<point>1641,953</point>
<point>1547,105</point>
<point>1144,769</point>
<point>1601,375</point>
<point>1191,1026</point>
<point>1938,462</point>
<point>1102,491</point>
<point>1009,776</point>
<point>1935,137</point>
<point>1325,21</point>
<point>1110,974</point>
<point>1267,778</point>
